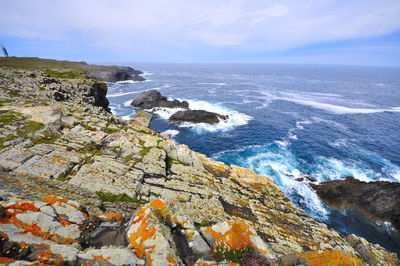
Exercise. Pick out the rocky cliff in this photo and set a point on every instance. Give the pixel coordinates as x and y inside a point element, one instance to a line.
<point>81,186</point>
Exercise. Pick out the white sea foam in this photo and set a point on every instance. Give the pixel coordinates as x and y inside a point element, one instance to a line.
<point>127,103</point>
<point>281,167</point>
<point>338,109</point>
<point>171,132</point>
<point>212,83</point>
<point>165,113</point>
<point>129,93</point>
<point>235,118</point>
<point>127,81</point>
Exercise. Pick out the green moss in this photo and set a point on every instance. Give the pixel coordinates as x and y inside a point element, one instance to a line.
<point>3,140</point>
<point>141,142</point>
<point>14,94</point>
<point>93,149</point>
<point>49,138</point>
<point>204,223</point>
<point>223,253</point>
<point>8,117</point>
<point>145,151</point>
<point>158,143</point>
<point>171,161</point>
<point>72,74</point>
<point>109,129</point>
<point>6,101</point>
<point>127,128</point>
<point>116,149</point>
<point>110,197</point>
<point>85,126</point>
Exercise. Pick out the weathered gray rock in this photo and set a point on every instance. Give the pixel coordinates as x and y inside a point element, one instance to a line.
<point>197,116</point>
<point>52,165</point>
<point>153,98</point>
<point>108,175</point>
<point>12,158</point>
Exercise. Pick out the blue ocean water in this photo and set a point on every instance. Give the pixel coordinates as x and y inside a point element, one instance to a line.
<point>288,122</point>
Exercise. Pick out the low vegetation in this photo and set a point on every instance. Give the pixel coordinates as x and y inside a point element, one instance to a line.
<point>110,197</point>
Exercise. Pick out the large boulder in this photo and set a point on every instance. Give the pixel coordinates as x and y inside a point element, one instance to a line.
<point>379,200</point>
<point>197,116</point>
<point>153,98</point>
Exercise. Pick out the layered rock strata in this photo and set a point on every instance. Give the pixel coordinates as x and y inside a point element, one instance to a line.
<point>81,186</point>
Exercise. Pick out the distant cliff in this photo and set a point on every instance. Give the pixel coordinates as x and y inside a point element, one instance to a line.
<point>102,73</point>
<point>79,185</point>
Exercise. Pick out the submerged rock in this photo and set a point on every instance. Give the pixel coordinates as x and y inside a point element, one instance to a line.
<point>152,98</point>
<point>380,200</point>
<point>197,116</point>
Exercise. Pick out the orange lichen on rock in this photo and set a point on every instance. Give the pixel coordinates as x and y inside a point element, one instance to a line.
<point>52,200</point>
<point>171,260</point>
<point>236,237</point>
<point>142,233</point>
<point>110,216</point>
<point>4,260</point>
<point>329,257</point>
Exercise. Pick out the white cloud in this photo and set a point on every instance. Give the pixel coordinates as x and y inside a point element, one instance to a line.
<point>264,25</point>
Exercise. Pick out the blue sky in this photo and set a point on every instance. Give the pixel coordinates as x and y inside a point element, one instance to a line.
<point>357,32</point>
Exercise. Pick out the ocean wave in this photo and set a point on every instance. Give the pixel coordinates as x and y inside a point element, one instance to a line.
<point>165,113</point>
<point>129,93</point>
<point>339,109</point>
<point>171,132</point>
<point>235,118</point>
<point>212,83</point>
<point>280,164</point>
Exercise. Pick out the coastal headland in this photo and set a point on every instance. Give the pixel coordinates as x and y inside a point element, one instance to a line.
<point>79,185</point>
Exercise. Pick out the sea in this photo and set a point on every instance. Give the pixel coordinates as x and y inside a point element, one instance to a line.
<point>287,122</point>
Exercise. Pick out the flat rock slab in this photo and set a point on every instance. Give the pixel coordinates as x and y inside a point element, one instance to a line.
<point>108,175</point>
<point>142,119</point>
<point>153,162</point>
<point>13,158</point>
<point>52,165</point>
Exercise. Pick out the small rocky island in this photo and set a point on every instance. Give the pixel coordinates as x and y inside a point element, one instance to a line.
<point>153,99</point>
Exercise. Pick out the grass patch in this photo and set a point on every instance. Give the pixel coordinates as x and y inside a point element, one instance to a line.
<point>141,142</point>
<point>145,151</point>
<point>204,223</point>
<point>64,74</point>
<point>110,130</point>
<point>222,252</point>
<point>158,143</point>
<point>110,197</point>
<point>171,161</point>
<point>3,140</point>
<point>94,149</point>
<point>7,117</point>
<point>6,101</point>
<point>127,128</point>
<point>85,126</point>
<point>49,138</point>
<point>14,94</point>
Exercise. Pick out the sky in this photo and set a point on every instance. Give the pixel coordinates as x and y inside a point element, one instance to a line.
<point>349,32</point>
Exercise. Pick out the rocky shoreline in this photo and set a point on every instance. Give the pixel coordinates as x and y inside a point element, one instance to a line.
<point>79,185</point>
<point>378,200</point>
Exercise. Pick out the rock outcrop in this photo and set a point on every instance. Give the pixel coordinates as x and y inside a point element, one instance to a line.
<point>114,73</point>
<point>81,186</point>
<point>378,200</point>
<point>153,98</point>
<point>197,116</point>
